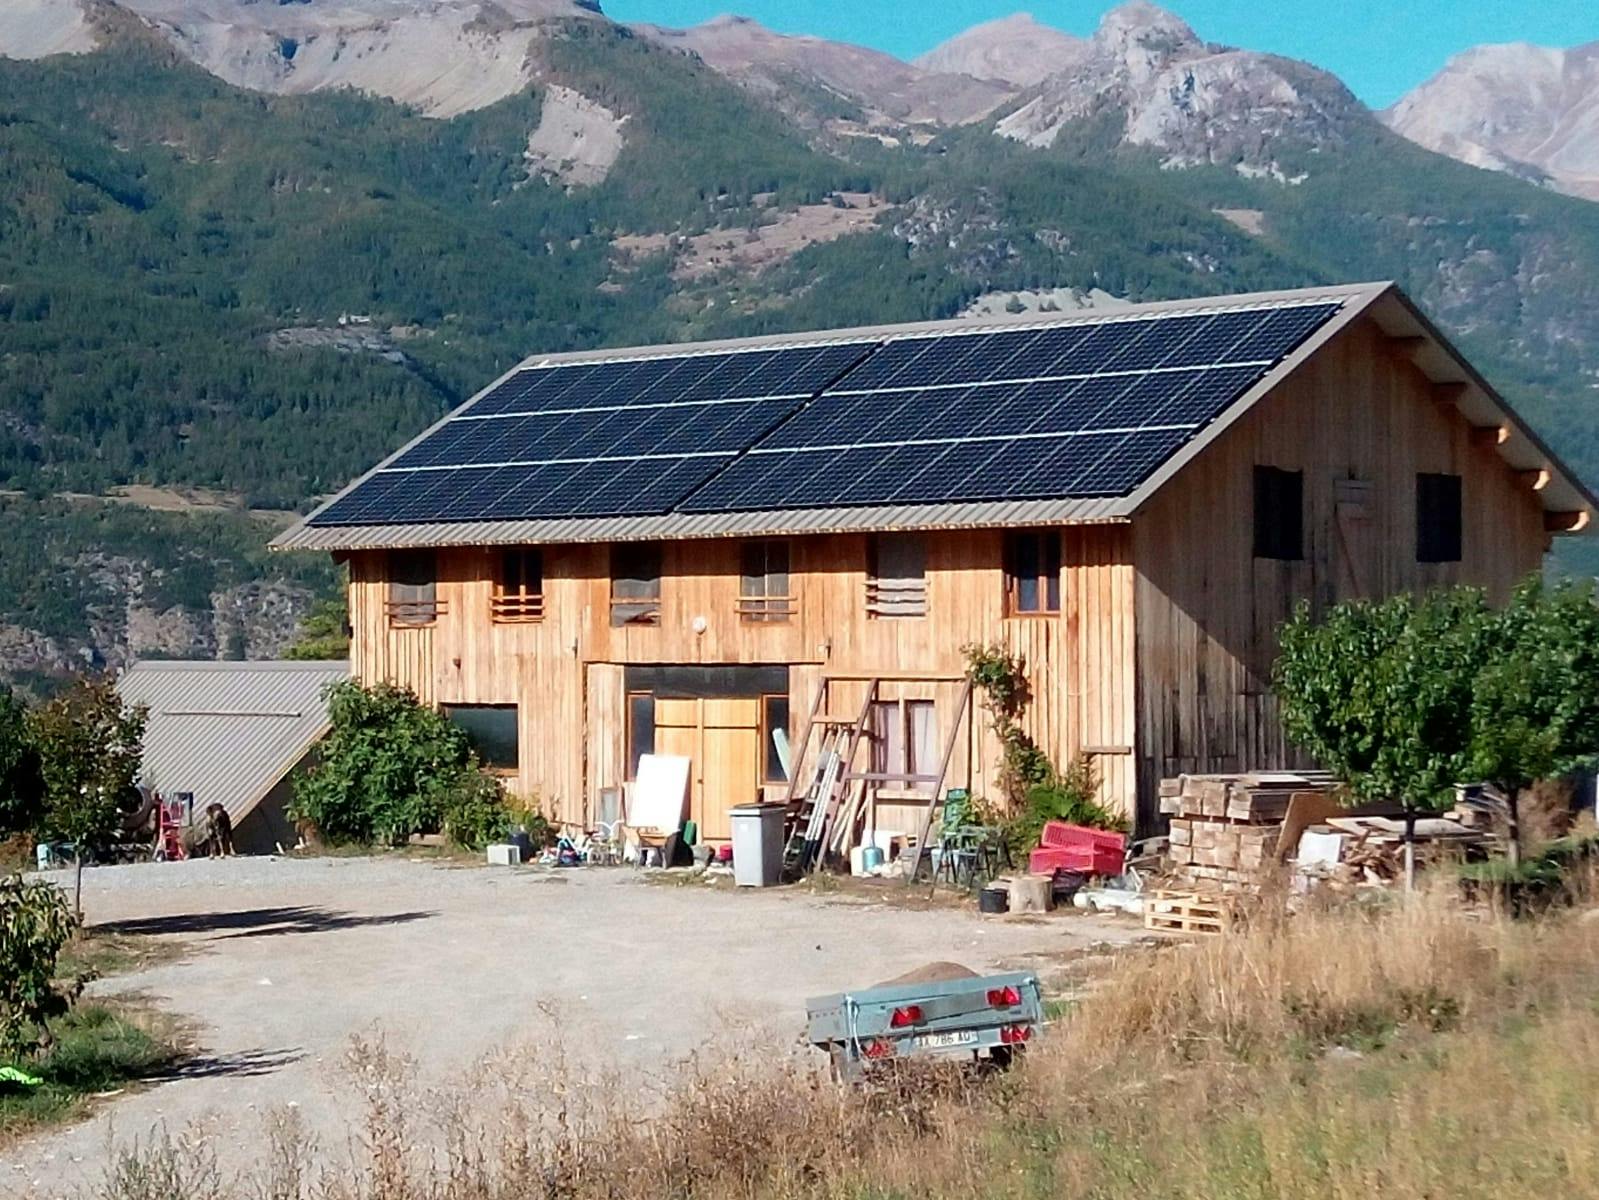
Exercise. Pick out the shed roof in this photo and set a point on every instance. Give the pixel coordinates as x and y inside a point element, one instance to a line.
<point>1560,490</point>
<point>228,731</point>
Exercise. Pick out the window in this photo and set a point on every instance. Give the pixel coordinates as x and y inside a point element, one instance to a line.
<point>635,584</point>
<point>1279,514</point>
<point>774,726</point>
<point>1032,572</point>
<point>413,588</point>
<point>492,730</point>
<point>640,729</point>
<point>1438,518</point>
<point>896,576</point>
<point>905,742</point>
<point>519,587</point>
<point>763,591</point>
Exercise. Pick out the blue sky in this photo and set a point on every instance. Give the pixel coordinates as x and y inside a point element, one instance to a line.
<point>1380,48</point>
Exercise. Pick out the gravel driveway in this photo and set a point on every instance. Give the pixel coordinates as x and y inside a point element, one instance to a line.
<point>291,958</point>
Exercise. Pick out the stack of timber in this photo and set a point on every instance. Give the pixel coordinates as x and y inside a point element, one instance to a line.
<point>1226,830</point>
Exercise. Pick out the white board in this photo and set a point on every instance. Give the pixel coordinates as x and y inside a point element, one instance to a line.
<point>660,793</point>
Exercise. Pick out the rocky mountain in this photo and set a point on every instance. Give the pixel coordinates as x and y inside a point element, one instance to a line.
<point>1196,104</point>
<point>774,65</point>
<point>1015,50</point>
<point>444,56</point>
<point>1526,110</point>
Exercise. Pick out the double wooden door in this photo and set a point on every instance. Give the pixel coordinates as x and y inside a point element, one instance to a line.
<point>721,738</point>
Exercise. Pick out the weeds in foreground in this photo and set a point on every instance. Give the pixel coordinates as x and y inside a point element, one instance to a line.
<point>1413,1049</point>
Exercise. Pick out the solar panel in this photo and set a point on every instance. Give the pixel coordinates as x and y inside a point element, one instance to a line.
<point>1085,410</point>
<point>606,439</point>
<point>1080,409</point>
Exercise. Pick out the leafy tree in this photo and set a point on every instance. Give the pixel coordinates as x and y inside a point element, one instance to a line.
<point>1406,697</point>
<point>89,744</point>
<point>35,924</point>
<point>21,785</point>
<point>390,767</point>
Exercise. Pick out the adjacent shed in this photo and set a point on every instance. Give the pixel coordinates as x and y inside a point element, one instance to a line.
<point>233,733</point>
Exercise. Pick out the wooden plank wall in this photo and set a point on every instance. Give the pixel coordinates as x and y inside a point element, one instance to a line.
<point>1080,662</point>
<point>1360,421</point>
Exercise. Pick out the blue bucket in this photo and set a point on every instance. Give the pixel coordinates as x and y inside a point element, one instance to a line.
<point>871,858</point>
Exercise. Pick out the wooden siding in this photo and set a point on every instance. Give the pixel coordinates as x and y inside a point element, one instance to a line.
<point>1360,421</point>
<point>561,671</point>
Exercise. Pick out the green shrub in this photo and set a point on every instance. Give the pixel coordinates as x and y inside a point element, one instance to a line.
<point>21,784</point>
<point>36,922</point>
<point>390,767</point>
<point>1068,797</point>
<point>476,813</point>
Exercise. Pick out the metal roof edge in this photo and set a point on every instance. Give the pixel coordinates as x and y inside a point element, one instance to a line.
<point>707,526</point>
<point>220,666</point>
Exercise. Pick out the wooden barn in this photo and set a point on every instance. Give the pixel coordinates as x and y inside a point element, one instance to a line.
<point>696,549</point>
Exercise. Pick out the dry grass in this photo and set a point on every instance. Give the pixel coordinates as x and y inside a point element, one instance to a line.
<point>1410,1050</point>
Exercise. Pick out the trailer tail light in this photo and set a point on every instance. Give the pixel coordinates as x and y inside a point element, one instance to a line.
<point>911,1014</point>
<point>1013,1035</point>
<point>1005,997</point>
<point>878,1048</point>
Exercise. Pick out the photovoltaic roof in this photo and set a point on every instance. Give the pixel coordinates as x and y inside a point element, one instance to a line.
<point>1072,408</point>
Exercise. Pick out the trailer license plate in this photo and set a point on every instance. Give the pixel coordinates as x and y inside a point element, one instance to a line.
<point>938,1041</point>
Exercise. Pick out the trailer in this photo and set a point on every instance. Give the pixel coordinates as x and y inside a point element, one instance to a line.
<point>982,1019</point>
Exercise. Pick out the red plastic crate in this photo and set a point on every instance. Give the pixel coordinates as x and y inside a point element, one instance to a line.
<point>1078,848</point>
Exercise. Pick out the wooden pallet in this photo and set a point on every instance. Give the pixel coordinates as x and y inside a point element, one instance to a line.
<point>1187,912</point>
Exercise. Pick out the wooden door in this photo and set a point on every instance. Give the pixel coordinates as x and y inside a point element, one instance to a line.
<point>722,740</point>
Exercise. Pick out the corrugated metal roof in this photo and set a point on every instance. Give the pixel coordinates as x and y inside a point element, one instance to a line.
<point>228,731</point>
<point>777,523</point>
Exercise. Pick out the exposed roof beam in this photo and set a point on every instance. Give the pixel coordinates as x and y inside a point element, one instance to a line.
<point>1447,395</point>
<point>1490,436</point>
<point>1407,347</point>
<point>1567,522</point>
<point>1537,479</point>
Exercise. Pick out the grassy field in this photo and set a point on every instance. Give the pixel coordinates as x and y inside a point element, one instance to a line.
<point>99,1048</point>
<point>1411,1050</point>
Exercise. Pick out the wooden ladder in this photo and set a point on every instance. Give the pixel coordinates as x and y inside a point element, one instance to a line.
<point>814,815</point>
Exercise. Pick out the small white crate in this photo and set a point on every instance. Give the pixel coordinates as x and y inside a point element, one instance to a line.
<point>505,855</point>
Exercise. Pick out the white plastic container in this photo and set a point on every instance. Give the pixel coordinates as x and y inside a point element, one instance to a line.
<point>757,844</point>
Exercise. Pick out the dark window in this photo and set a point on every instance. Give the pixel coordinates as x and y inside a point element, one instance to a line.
<point>1438,519</point>
<point>763,589</point>
<point>1279,514</point>
<point>1032,572</point>
<point>636,584</point>
<point>774,723</point>
<point>492,730</point>
<point>519,586</point>
<point>896,576</point>
<point>640,729</point>
<point>413,588</point>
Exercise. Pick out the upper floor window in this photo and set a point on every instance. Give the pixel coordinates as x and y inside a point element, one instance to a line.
<point>1279,514</point>
<point>765,586</point>
<point>635,584</point>
<point>519,586</point>
<point>1438,518</point>
<point>413,588</point>
<point>1032,572</point>
<point>896,576</point>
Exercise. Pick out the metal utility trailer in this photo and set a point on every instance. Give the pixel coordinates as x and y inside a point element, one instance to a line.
<point>980,1018</point>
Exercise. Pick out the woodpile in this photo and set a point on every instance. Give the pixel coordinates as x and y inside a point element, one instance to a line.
<point>1226,830</point>
<point>1369,852</point>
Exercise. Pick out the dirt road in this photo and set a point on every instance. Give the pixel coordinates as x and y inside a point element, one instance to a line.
<point>289,959</point>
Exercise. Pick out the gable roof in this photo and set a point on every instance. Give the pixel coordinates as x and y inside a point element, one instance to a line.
<point>228,731</point>
<point>714,501</point>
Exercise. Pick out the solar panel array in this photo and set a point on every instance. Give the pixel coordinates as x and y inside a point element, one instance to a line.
<point>1075,410</point>
<point>617,438</point>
